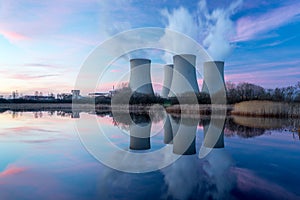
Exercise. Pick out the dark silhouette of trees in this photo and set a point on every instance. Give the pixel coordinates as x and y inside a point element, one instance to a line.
<point>248,91</point>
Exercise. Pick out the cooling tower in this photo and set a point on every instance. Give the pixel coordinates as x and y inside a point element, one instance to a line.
<point>184,75</point>
<point>168,75</point>
<point>140,77</point>
<point>213,76</point>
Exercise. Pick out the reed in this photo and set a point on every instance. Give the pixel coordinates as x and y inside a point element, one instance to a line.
<point>267,109</point>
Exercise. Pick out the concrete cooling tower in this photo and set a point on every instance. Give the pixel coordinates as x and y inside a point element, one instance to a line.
<point>140,77</point>
<point>168,75</point>
<point>184,75</point>
<point>213,76</point>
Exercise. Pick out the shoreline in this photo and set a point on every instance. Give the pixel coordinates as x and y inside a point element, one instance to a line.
<point>265,109</point>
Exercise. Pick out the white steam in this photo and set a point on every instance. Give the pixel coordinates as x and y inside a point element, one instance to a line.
<point>213,29</point>
<point>182,21</point>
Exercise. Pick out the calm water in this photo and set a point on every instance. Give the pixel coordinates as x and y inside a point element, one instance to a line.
<point>42,157</point>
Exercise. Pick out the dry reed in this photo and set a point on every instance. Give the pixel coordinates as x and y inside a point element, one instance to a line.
<point>266,109</point>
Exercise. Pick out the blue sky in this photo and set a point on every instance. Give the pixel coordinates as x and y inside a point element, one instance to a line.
<point>44,43</point>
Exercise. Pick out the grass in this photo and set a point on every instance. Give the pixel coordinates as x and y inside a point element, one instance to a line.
<point>267,109</point>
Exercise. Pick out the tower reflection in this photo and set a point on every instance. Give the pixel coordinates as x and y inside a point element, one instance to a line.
<point>168,133</point>
<point>184,135</point>
<point>140,131</point>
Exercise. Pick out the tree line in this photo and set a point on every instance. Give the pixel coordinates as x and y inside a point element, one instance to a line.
<point>235,93</point>
<point>247,91</point>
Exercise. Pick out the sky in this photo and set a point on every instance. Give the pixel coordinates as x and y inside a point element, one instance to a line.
<point>43,44</point>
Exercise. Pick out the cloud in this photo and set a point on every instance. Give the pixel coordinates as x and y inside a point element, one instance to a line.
<point>182,21</point>
<point>211,29</point>
<point>11,170</point>
<point>249,27</point>
<point>23,129</point>
<point>253,186</point>
<point>283,76</point>
<point>219,28</point>
<point>13,36</point>
<point>41,65</point>
<point>34,19</point>
<point>115,70</point>
<point>30,77</point>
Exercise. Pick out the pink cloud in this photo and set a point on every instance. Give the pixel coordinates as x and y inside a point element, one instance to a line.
<point>270,78</point>
<point>250,183</point>
<point>28,129</point>
<point>11,170</point>
<point>13,36</point>
<point>30,77</point>
<point>249,27</point>
<point>115,70</point>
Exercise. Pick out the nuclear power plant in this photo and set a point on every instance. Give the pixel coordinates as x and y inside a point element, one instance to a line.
<point>179,78</point>
<point>140,76</point>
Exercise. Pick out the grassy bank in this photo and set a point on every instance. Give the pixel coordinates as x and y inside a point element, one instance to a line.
<point>267,109</point>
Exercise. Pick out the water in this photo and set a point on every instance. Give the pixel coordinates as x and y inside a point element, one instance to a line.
<point>43,157</point>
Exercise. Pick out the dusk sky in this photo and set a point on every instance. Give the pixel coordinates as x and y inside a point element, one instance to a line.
<point>44,43</point>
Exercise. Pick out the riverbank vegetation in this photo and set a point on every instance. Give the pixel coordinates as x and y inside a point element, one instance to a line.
<point>266,109</point>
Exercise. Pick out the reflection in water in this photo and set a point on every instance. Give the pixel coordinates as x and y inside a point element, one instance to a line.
<point>214,136</point>
<point>206,178</point>
<point>233,128</point>
<point>75,114</point>
<point>259,173</point>
<point>41,114</point>
<point>140,131</point>
<point>267,123</point>
<point>217,163</point>
<point>184,135</point>
<point>168,133</point>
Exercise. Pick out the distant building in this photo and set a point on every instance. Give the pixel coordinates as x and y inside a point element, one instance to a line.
<point>100,94</point>
<point>38,98</point>
<point>75,94</point>
<point>64,96</point>
<point>112,93</point>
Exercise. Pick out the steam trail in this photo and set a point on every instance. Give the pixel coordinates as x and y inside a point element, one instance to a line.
<point>213,29</point>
